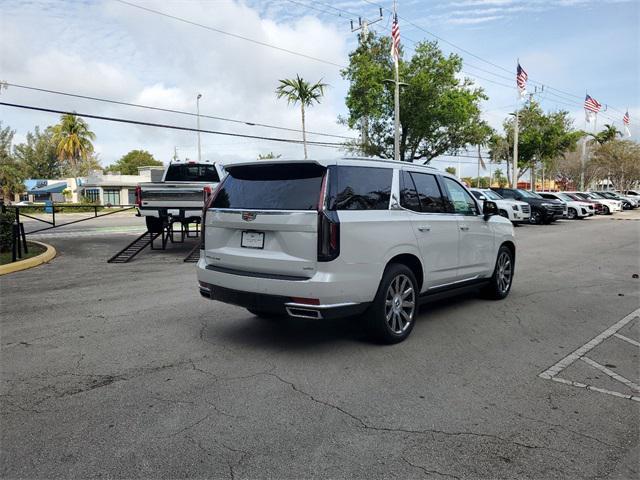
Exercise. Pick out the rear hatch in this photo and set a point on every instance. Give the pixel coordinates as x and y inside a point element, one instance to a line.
<point>264,220</point>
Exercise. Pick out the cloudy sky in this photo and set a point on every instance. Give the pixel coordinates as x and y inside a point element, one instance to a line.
<point>108,49</point>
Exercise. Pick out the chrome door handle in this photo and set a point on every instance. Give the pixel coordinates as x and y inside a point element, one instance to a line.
<point>464,228</point>
<point>425,228</point>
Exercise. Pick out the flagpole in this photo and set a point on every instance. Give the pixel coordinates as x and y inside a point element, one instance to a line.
<point>583,157</point>
<point>396,99</point>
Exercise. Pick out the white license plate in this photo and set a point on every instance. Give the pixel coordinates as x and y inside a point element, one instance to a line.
<point>252,240</point>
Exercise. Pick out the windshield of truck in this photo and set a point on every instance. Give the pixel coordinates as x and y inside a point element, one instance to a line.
<point>491,195</point>
<point>192,172</point>
<point>282,186</point>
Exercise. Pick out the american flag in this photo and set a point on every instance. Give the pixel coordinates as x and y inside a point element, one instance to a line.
<point>395,38</point>
<point>626,119</point>
<point>591,104</point>
<point>521,79</point>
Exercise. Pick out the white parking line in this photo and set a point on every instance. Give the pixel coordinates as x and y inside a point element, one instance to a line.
<point>579,354</point>
<point>612,374</point>
<point>627,339</point>
<point>572,357</point>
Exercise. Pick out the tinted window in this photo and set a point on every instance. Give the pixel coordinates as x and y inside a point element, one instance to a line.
<point>186,172</point>
<point>478,195</point>
<point>429,192</point>
<point>459,198</point>
<point>362,188</point>
<point>408,195</point>
<point>287,186</point>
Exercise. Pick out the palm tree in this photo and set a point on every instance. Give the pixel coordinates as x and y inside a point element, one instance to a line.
<point>298,90</point>
<point>609,133</point>
<point>73,138</point>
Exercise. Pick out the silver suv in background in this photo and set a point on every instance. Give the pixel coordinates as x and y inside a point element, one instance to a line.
<point>325,239</point>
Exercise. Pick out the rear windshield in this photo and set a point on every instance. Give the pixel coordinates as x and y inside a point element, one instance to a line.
<point>285,186</point>
<point>186,172</point>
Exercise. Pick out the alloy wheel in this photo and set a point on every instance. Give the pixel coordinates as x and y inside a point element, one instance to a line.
<point>504,272</point>
<point>400,304</point>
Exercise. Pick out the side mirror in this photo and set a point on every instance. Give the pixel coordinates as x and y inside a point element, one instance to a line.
<point>489,209</point>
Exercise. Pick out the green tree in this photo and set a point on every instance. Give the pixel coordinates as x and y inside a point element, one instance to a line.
<point>37,156</point>
<point>500,178</point>
<point>609,133</point>
<point>620,160</point>
<point>296,90</point>
<point>11,175</point>
<point>542,138</point>
<point>129,163</point>
<point>439,112</point>
<point>451,170</point>
<point>73,141</point>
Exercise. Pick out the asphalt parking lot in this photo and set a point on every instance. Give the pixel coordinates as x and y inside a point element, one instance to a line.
<point>125,371</point>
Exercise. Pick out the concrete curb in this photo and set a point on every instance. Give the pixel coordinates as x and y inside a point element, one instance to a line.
<point>44,257</point>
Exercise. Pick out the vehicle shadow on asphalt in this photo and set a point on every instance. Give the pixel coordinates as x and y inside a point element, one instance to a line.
<point>305,334</point>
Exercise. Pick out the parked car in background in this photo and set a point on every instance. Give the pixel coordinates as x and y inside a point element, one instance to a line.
<point>632,193</point>
<point>609,206</point>
<point>335,238</point>
<point>597,206</point>
<point>542,210</point>
<point>514,210</point>
<point>628,203</point>
<point>180,196</point>
<point>575,209</point>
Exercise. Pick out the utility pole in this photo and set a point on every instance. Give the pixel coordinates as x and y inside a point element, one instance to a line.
<point>363,26</point>
<point>514,167</point>
<point>396,95</point>
<point>175,153</point>
<point>198,122</point>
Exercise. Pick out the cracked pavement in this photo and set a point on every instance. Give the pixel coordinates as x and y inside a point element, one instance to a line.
<point>124,371</point>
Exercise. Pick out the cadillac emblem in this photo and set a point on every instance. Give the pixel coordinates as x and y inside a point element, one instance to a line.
<point>248,216</point>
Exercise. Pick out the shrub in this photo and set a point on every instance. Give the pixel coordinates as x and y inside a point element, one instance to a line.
<point>6,221</point>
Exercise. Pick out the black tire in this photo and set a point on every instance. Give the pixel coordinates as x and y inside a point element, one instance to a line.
<point>572,214</point>
<point>154,224</point>
<point>389,319</point>
<point>264,314</point>
<point>496,289</point>
<point>535,218</point>
<point>605,210</point>
<point>503,213</point>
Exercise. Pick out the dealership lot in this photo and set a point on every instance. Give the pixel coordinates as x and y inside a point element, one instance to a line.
<point>124,370</point>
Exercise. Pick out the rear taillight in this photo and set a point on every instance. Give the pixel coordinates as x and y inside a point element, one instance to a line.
<point>138,196</point>
<point>328,227</point>
<point>208,201</point>
<point>206,193</point>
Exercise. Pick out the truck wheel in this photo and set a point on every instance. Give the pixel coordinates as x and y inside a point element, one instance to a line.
<point>605,210</point>
<point>391,315</point>
<point>154,225</point>
<point>572,214</point>
<point>500,283</point>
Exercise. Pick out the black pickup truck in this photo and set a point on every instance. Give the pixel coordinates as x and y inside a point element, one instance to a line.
<point>543,210</point>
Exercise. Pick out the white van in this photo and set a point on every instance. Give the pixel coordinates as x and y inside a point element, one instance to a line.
<point>335,238</point>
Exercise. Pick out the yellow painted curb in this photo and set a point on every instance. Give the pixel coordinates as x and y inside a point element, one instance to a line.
<point>44,257</point>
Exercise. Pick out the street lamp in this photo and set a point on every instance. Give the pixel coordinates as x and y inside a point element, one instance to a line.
<point>198,123</point>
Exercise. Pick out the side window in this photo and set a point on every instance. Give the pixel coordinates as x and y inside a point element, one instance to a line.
<point>460,199</point>
<point>362,188</point>
<point>408,195</point>
<point>429,193</point>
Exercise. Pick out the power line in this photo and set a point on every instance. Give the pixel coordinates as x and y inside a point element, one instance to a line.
<point>169,110</point>
<point>234,35</point>
<point>172,127</point>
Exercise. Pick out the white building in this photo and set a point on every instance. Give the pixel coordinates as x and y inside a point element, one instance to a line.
<point>114,189</point>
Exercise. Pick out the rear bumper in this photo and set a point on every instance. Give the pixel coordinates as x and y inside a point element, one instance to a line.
<point>279,304</point>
